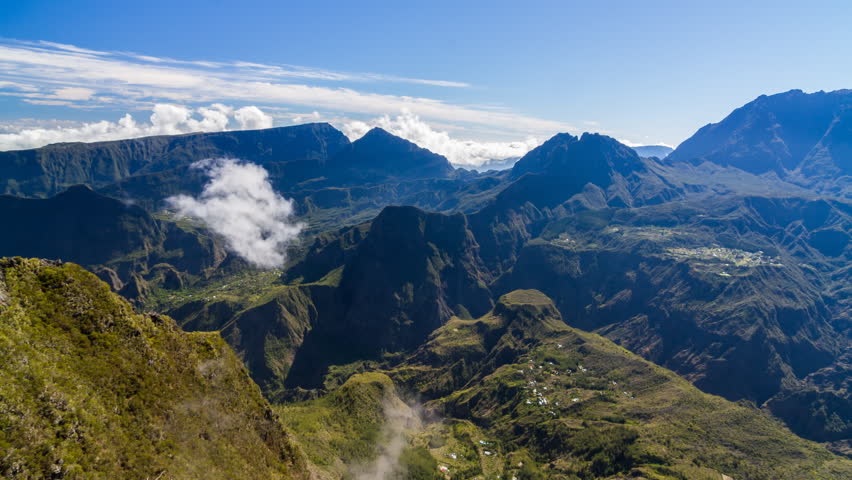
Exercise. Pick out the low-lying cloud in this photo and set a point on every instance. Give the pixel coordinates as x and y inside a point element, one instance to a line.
<point>400,419</point>
<point>239,203</point>
<point>165,119</point>
<point>464,153</point>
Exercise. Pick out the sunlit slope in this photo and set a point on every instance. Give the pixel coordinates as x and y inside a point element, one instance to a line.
<point>517,393</point>
<point>89,389</point>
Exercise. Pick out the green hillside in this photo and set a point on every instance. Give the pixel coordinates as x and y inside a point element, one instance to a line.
<point>92,390</point>
<point>518,394</point>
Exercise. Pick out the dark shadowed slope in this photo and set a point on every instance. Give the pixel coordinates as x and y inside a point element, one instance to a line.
<point>123,243</point>
<point>379,156</point>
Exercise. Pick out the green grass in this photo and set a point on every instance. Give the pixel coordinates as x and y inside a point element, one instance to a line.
<point>246,287</point>
<point>344,427</point>
<point>608,413</point>
<point>92,390</point>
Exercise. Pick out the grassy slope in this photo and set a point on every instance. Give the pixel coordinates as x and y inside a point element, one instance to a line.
<point>92,390</point>
<point>342,427</point>
<point>630,417</point>
<point>345,431</point>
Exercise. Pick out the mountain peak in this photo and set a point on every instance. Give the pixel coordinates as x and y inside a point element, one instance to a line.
<point>774,133</point>
<point>380,155</point>
<point>379,136</point>
<point>530,311</point>
<point>526,297</point>
<point>380,132</point>
<point>593,156</point>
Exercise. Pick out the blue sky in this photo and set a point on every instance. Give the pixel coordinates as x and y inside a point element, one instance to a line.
<point>497,73</point>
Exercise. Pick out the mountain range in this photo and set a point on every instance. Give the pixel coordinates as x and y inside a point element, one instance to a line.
<point>593,311</point>
<point>659,151</point>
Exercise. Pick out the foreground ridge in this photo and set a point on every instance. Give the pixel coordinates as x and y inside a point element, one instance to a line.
<point>93,390</point>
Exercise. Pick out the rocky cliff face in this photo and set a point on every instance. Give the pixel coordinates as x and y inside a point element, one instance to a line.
<point>409,275</point>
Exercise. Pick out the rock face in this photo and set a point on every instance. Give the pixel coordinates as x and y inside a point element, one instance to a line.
<point>411,273</point>
<point>91,388</point>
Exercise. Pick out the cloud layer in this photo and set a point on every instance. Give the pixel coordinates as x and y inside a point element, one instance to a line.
<point>240,204</point>
<point>171,119</point>
<point>64,75</point>
<point>464,153</point>
<point>166,119</point>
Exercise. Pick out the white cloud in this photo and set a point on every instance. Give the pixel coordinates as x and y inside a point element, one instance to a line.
<point>173,119</point>
<point>306,118</point>
<point>36,101</point>
<point>74,93</point>
<point>252,118</point>
<point>240,204</point>
<point>169,119</point>
<point>640,144</point>
<point>132,80</point>
<point>466,153</point>
<point>166,119</point>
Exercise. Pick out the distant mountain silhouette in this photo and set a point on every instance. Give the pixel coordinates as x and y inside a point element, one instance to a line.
<point>497,164</point>
<point>795,135</point>
<point>659,151</point>
<point>379,156</point>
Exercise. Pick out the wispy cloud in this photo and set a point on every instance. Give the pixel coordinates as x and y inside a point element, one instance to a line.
<point>44,72</point>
